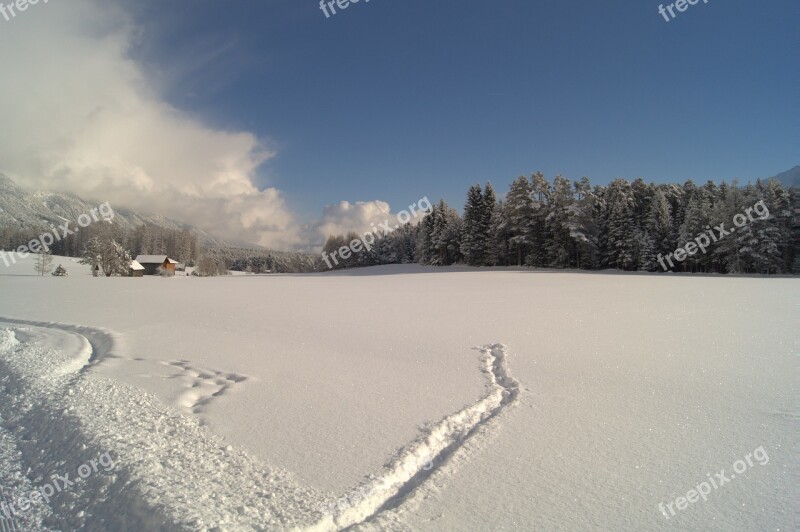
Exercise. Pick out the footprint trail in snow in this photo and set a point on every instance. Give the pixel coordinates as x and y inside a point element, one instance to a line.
<point>419,460</point>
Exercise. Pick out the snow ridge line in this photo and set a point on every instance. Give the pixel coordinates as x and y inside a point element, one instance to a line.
<point>415,462</point>
<point>101,341</point>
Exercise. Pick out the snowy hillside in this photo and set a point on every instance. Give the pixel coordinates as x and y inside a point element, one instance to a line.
<point>22,210</point>
<point>790,178</point>
<point>456,400</point>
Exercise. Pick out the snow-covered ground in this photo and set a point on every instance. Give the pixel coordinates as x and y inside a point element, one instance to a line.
<point>400,398</point>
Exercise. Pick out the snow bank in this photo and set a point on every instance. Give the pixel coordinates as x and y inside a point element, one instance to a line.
<point>170,471</point>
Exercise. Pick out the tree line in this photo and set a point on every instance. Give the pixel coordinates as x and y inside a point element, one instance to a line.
<point>625,225</point>
<point>112,246</point>
<point>146,239</point>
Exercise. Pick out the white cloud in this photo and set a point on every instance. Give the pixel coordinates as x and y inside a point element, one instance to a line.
<point>346,216</point>
<point>361,217</point>
<point>80,116</point>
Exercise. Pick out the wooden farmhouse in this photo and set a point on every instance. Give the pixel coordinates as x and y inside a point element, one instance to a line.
<point>155,264</point>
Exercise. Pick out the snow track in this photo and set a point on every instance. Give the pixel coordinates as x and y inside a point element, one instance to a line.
<point>426,456</point>
<point>170,471</point>
<point>100,342</point>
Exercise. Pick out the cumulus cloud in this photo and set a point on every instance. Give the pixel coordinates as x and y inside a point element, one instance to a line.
<point>344,217</point>
<point>79,115</point>
<point>361,217</point>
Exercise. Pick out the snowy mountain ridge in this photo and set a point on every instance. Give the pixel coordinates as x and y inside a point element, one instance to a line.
<point>23,210</point>
<point>790,178</point>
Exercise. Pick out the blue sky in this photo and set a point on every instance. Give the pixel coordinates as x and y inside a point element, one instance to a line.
<point>394,100</point>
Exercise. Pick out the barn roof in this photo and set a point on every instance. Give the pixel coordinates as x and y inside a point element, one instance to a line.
<point>151,259</point>
<point>135,265</point>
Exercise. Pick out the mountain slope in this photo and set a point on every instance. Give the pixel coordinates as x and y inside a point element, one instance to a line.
<point>22,210</point>
<point>790,178</point>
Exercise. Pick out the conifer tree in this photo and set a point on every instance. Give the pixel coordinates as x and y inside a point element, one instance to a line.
<point>475,235</point>
<point>519,212</point>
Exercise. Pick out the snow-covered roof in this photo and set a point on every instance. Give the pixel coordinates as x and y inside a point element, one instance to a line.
<point>135,265</point>
<point>151,259</point>
<point>172,261</point>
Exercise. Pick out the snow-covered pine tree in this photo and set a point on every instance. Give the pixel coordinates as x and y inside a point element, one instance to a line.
<point>694,224</point>
<point>499,236</point>
<point>780,204</point>
<point>713,196</point>
<point>687,191</point>
<point>726,251</point>
<point>765,228</point>
<point>560,245</point>
<point>487,211</point>
<point>423,253</point>
<point>540,210</point>
<point>120,260</point>
<point>648,257</point>
<point>582,224</point>
<point>743,241</point>
<point>659,226</point>
<point>112,258</point>
<point>331,251</point>
<point>448,235</point>
<point>473,240</point>
<point>439,241</point>
<point>621,230</point>
<point>386,250</point>
<point>354,258</point>
<point>519,210</point>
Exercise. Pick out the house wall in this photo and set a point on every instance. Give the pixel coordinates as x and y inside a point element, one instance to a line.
<point>152,269</point>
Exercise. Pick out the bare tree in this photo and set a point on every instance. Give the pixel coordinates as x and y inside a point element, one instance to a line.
<point>44,262</point>
<point>209,267</point>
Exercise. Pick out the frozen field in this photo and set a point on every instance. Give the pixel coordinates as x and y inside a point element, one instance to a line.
<point>402,398</point>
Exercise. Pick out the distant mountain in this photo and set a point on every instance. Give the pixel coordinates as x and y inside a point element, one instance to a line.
<point>22,210</point>
<point>790,178</point>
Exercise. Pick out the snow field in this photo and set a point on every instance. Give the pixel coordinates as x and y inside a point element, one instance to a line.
<point>631,388</point>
